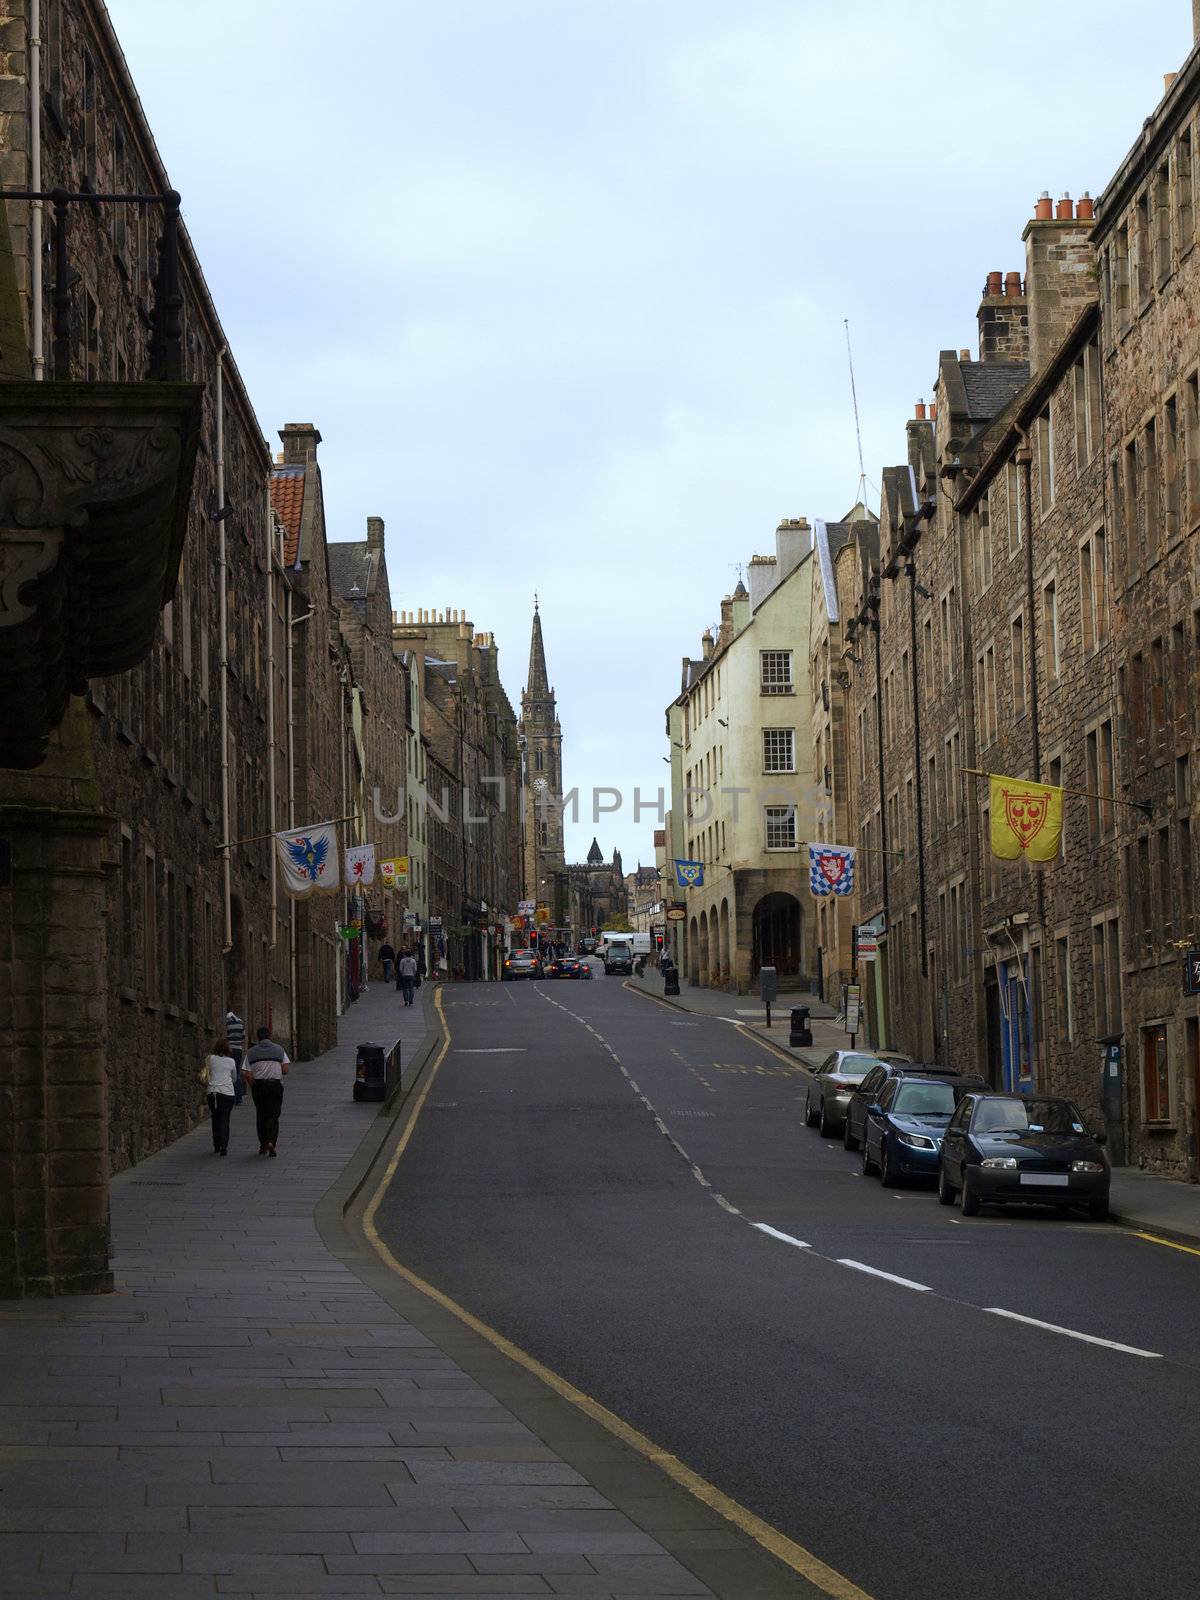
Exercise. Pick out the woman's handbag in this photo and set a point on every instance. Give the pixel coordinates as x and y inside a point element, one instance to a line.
<point>205,1074</point>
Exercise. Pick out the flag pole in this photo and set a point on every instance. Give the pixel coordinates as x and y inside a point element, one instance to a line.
<point>1143,806</point>
<point>256,838</point>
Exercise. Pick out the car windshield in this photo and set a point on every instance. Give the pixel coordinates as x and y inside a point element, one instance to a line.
<point>854,1066</point>
<point>924,1099</point>
<point>1020,1116</point>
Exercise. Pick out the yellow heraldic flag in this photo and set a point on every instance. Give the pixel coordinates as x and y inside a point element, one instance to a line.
<point>1026,819</point>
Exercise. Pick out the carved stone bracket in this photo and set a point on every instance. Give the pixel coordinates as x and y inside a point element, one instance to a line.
<point>95,480</point>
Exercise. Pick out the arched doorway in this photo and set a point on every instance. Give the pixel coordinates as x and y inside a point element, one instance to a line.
<point>714,948</point>
<point>704,958</point>
<point>724,937</point>
<point>778,935</point>
<point>693,953</point>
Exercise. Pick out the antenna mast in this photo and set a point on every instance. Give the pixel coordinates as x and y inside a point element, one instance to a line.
<point>862,471</point>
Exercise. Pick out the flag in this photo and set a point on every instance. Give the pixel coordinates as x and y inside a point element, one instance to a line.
<point>308,860</point>
<point>360,863</point>
<point>387,873</point>
<point>1026,819</point>
<point>401,866</point>
<point>689,874</point>
<point>831,868</point>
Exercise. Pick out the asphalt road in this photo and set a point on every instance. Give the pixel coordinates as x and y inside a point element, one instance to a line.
<point>592,1175</point>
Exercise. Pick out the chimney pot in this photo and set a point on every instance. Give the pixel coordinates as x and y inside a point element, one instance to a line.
<point>964,355</point>
<point>994,280</point>
<point>1065,209</point>
<point>933,411</point>
<point>1169,81</point>
<point>1012,284</point>
<point>1044,209</point>
<point>919,413</point>
<point>1085,207</point>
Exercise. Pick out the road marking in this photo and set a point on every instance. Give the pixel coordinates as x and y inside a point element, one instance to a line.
<point>491,1050</point>
<point>765,1227</point>
<point>1071,1333</point>
<point>728,1205</point>
<point>1154,1238</point>
<point>905,1283</point>
<point>795,1556</point>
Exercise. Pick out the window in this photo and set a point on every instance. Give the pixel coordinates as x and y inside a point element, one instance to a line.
<point>1156,1076</point>
<point>1141,249</point>
<point>150,928</point>
<point>953,780</point>
<point>1158,694</point>
<point>128,909</point>
<point>1088,422</point>
<point>1106,975</point>
<point>927,655</point>
<point>983,545</point>
<point>1093,593</point>
<point>781,827</point>
<point>1129,510</point>
<point>539,760</point>
<point>985,696</point>
<point>1050,631</point>
<point>1101,781</point>
<point>171,932</point>
<point>1120,285</point>
<point>776,670</point>
<point>949,622</point>
<point>1143,894</point>
<point>1191,450</point>
<point>1017,632</point>
<point>1062,988</point>
<point>1045,455</point>
<point>1184,190</point>
<point>1187,881</point>
<point>1162,223</point>
<point>1151,491</point>
<point>1164,886</point>
<point>1170,470</point>
<point>1016,508</point>
<point>89,120</point>
<point>779,750</point>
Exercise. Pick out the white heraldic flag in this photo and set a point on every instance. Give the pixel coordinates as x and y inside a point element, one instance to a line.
<point>308,860</point>
<point>360,863</point>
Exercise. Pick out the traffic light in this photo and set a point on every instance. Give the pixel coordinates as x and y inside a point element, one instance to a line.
<point>658,941</point>
<point>533,939</point>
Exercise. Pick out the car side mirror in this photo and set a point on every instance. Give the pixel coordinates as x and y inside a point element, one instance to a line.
<point>876,1110</point>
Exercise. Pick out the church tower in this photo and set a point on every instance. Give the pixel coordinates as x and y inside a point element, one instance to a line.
<point>541,744</point>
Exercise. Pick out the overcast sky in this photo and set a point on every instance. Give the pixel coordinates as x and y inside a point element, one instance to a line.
<point>563,284</point>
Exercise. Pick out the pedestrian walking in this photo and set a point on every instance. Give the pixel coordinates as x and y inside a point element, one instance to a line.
<point>407,976</point>
<point>235,1034</point>
<point>221,1080</point>
<point>266,1067</point>
<point>387,956</point>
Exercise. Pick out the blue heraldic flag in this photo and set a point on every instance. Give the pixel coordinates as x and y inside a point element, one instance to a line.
<point>831,868</point>
<point>689,874</point>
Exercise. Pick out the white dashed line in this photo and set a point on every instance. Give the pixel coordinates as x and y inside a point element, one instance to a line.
<point>765,1227</point>
<point>1070,1333</point>
<point>905,1283</point>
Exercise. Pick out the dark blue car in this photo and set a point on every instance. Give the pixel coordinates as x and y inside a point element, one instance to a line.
<point>902,1136</point>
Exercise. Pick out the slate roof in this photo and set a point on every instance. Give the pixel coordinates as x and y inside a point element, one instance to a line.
<point>990,385</point>
<point>287,496</point>
<point>349,564</point>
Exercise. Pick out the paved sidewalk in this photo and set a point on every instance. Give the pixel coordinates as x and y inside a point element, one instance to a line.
<point>750,1011</point>
<point>262,1409</point>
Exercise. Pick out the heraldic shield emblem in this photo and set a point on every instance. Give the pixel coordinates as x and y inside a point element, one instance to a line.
<point>832,867</point>
<point>1026,814</point>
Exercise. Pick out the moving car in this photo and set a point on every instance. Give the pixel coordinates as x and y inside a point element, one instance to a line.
<point>903,1134</point>
<point>868,1091</point>
<point>569,967</point>
<point>587,946</point>
<point>522,964</point>
<point>1003,1149</point>
<point>618,958</point>
<point>834,1081</point>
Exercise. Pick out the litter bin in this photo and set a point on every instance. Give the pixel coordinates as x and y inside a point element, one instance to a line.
<point>800,1033</point>
<point>670,974</point>
<point>370,1072</point>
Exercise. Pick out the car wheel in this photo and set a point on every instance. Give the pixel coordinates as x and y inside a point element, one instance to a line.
<point>1098,1210</point>
<point>868,1166</point>
<point>823,1124</point>
<point>888,1176</point>
<point>849,1142</point>
<point>810,1116</point>
<point>968,1200</point>
<point>945,1187</point>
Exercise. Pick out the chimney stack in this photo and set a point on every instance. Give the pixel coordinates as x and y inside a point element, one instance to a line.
<point>374,533</point>
<point>1003,319</point>
<point>1060,275</point>
<point>300,441</point>
<point>1196,21</point>
<point>706,643</point>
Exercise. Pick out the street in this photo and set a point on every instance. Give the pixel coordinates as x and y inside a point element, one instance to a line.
<point>629,1194</point>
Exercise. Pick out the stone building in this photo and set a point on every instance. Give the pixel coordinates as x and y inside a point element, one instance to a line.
<point>544,877</point>
<point>1148,918</point>
<point>597,892</point>
<point>742,789</point>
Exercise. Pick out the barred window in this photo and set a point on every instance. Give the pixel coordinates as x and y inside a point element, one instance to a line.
<point>776,671</point>
<point>779,750</point>
<point>781,827</point>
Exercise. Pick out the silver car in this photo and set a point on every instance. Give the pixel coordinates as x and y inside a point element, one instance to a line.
<point>834,1081</point>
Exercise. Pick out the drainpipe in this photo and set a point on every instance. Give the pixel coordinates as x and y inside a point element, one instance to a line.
<point>35,183</point>
<point>291,805</point>
<point>1025,462</point>
<point>223,580</point>
<point>271,708</point>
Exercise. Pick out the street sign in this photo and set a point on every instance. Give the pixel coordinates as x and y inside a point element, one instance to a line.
<point>1191,972</point>
<point>867,942</point>
<point>526,908</point>
<point>676,914</point>
<point>853,1007</point>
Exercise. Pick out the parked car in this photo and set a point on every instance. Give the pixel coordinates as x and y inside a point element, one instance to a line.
<point>902,1137</point>
<point>1004,1149</point>
<point>522,964</point>
<point>833,1082</point>
<point>618,958</point>
<point>867,1092</point>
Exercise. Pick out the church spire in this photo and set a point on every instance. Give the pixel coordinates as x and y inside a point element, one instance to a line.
<point>538,681</point>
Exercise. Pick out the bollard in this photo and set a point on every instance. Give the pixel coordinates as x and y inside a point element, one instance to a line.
<point>800,1032</point>
<point>370,1072</point>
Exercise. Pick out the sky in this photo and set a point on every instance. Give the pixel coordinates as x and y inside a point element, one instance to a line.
<point>564,285</point>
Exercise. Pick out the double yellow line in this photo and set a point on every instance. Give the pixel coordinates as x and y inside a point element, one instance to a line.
<point>795,1556</point>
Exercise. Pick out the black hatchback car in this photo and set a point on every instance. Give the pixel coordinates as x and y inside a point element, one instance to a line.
<point>1005,1149</point>
<point>868,1092</point>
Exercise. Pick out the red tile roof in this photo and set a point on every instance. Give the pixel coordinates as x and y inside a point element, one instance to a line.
<point>287,496</point>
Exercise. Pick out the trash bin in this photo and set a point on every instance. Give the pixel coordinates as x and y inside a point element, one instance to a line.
<point>800,1033</point>
<point>370,1072</point>
<point>671,980</point>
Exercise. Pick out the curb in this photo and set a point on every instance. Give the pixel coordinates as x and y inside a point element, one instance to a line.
<point>1189,1241</point>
